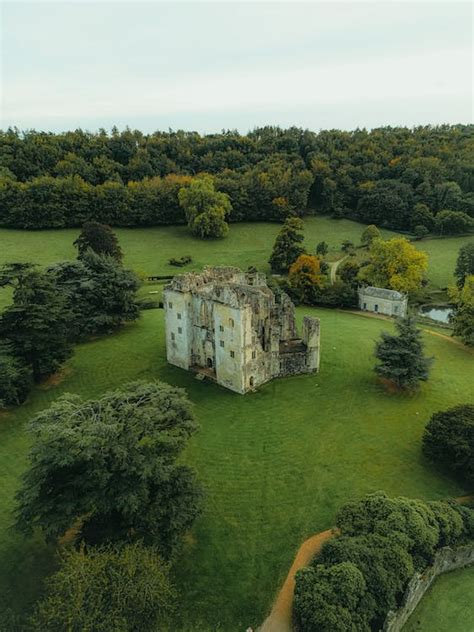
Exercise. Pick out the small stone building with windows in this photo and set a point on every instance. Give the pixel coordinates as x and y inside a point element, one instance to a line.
<point>229,326</point>
<point>382,301</point>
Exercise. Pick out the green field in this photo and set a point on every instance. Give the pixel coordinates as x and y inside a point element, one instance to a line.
<point>148,249</point>
<point>448,605</point>
<point>277,464</point>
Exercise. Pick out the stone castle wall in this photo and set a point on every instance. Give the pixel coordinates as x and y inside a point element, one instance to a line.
<point>447,559</point>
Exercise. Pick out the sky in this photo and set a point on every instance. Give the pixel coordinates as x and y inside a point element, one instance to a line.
<point>208,66</point>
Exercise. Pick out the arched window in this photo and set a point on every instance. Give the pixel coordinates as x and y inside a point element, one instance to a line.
<point>251,381</point>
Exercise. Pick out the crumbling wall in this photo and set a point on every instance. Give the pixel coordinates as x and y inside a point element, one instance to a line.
<point>447,559</point>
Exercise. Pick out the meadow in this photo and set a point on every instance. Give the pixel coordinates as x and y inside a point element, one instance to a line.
<point>276,464</point>
<point>148,250</point>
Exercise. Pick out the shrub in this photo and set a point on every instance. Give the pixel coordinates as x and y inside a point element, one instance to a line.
<point>182,261</point>
<point>448,440</point>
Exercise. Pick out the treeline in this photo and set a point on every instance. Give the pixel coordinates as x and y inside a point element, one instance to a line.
<point>398,178</point>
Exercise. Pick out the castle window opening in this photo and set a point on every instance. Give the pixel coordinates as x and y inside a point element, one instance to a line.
<point>221,343</point>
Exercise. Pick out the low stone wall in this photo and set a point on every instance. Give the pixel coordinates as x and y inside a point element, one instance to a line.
<point>447,559</point>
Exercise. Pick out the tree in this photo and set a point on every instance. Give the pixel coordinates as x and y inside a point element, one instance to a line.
<point>347,245</point>
<point>420,231</point>
<point>369,234</point>
<point>330,599</point>
<point>401,358</point>
<point>37,323</point>
<point>109,467</point>
<point>386,203</point>
<point>101,294</point>
<point>348,272</point>
<point>448,440</point>
<point>464,263</point>
<point>395,264</point>
<point>422,216</point>
<point>453,223</point>
<point>206,209</point>
<point>305,277</point>
<point>287,247</point>
<point>15,378</point>
<point>322,248</point>
<point>462,317</point>
<point>100,239</point>
<point>384,562</point>
<point>124,589</point>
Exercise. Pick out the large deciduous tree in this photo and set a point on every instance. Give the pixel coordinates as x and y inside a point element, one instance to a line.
<point>395,264</point>
<point>305,277</point>
<point>401,359</point>
<point>100,239</point>
<point>206,209</point>
<point>449,440</point>
<point>110,467</point>
<point>288,245</point>
<point>124,589</point>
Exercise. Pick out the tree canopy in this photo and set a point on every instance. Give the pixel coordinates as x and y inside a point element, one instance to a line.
<point>100,239</point>
<point>393,177</point>
<point>362,572</point>
<point>448,440</point>
<point>100,293</point>
<point>109,466</point>
<point>464,264</point>
<point>395,264</point>
<point>305,277</point>
<point>206,209</point>
<point>288,245</point>
<point>401,360</point>
<point>36,324</point>
<point>462,317</point>
<point>125,589</point>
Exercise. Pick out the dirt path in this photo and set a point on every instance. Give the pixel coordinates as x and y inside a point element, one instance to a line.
<point>334,267</point>
<point>279,619</point>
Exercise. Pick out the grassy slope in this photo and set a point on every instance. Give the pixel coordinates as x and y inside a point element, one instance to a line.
<point>148,249</point>
<point>448,605</point>
<point>277,464</point>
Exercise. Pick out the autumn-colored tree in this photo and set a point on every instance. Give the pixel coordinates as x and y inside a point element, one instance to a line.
<point>395,264</point>
<point>305,277</point>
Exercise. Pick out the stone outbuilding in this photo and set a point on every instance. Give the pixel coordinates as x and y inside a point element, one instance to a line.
<point>382,301</point>
<point>229,326</point>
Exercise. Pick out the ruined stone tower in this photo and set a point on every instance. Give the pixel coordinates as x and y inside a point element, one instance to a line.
<point>229,326</point>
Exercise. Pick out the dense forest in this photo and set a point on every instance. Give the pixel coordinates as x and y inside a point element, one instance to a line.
<point>397,178</point>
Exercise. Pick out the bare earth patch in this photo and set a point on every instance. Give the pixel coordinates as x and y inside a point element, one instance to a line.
<point>56,378</point>
<point>279,619</point>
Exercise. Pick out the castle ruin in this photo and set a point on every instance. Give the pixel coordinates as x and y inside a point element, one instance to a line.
<point>229,326</point>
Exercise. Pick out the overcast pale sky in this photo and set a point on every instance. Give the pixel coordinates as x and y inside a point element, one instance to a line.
<point>209,66</point>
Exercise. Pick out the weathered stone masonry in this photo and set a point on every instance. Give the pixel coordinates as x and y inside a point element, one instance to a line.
<point>229,325</point>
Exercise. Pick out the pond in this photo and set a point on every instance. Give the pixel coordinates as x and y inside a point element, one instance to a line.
<point>440,313</point>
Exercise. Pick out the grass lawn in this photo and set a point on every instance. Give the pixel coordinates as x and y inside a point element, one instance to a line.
<point>148,249</point>
<point>448,605</point>
<point>277,464</point>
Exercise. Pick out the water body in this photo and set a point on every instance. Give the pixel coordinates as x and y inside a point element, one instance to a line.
<point>439,313</point>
